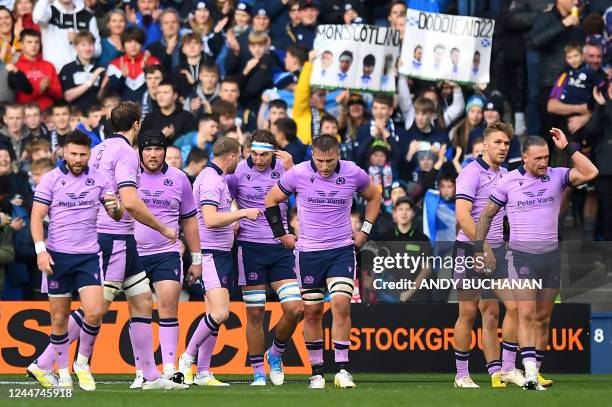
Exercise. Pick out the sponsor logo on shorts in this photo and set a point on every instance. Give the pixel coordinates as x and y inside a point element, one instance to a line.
<point>308,279</point>
<point>253,276</point>
<point>224,280</point>
<point>524,270</point>
<point>53,284</point>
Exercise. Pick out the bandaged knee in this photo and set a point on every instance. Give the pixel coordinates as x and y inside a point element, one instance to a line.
<point>289,292</point>
<point>254,298</point>
<point>341,286</point>
<point>313,296</point>
<point>111,290</point>
<point>136,284</point>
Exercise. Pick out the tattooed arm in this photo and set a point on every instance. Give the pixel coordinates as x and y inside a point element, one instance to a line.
<point>483,255</point>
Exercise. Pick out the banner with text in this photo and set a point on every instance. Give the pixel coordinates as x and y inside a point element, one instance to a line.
<point>356,56</point>
<point>392,338</point>
<point>446,47</point>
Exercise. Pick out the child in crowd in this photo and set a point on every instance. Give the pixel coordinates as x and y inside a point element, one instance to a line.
<point>380,172</point>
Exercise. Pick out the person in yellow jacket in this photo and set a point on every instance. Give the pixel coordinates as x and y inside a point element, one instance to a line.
<point>308,107</point>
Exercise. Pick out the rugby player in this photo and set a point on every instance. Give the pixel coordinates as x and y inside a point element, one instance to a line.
<point>166,191</point>
<point>474,185</point>
<point>215,220</point>
<point>531,196</point>
<point>325,248</point>
<point>262,260</point>
<point>70,196</point>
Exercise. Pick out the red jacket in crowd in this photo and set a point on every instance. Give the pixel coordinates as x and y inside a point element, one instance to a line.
<point>36,70</point>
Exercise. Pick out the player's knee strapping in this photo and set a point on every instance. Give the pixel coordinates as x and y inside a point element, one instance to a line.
<point>341,286</point>
<point>289,292</point>
<point>313,296</point>
<point>136,284</point>
<point>254,298</point>
<point>111,290</point>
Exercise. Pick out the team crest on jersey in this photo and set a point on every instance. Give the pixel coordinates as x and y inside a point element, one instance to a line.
<point>275,175</point>
<point>340,181</point>
<point>545,178</point>
<point>168,182</point>
<point>90,181</point>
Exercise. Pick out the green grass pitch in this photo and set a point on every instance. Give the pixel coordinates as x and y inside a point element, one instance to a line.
<point>379,390</point>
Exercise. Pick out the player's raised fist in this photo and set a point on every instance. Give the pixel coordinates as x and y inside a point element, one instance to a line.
<point>559,138</point>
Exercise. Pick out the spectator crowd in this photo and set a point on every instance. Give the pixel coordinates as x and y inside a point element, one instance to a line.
<point>206,69</point>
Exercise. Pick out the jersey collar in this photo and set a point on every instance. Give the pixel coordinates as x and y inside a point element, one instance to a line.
<point>64,169</point>
<point>251,164</point>
<point>314,167</point>
<point>164,168</point>
<point>117,135</point>
<point>482,162</point>
<point>215,167</point>
<point>522,169</point>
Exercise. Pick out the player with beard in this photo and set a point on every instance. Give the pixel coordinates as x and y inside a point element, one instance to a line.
<point>70,196</point>
<point>531,196</point>
<point>262,260</point>
<point>166,191</point>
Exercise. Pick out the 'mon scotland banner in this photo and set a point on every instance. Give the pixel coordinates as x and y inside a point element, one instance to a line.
<point>445,47</point>
<point>356,56</point>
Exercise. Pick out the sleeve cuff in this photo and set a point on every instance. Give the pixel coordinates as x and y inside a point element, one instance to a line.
<point>42,201</point>
<point>285,190</point>
<point>497,201</point>
<point>464,197</point>
<point>126,184</point>
<point>188,215</point>
<point>209,202</point>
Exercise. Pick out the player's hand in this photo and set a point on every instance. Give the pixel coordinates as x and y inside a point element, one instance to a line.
<point>285,158</point>
<point>312,55</point>
<point>171,234</point>
<point>485,262</point>
<point>559,138</point>
<point>111,203</point>
<point>250,213</point>
<point>11,68</point>
<point>288,241</point>
<point>360,239</point>
<point>44,263</point>
<point>194,273</point>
